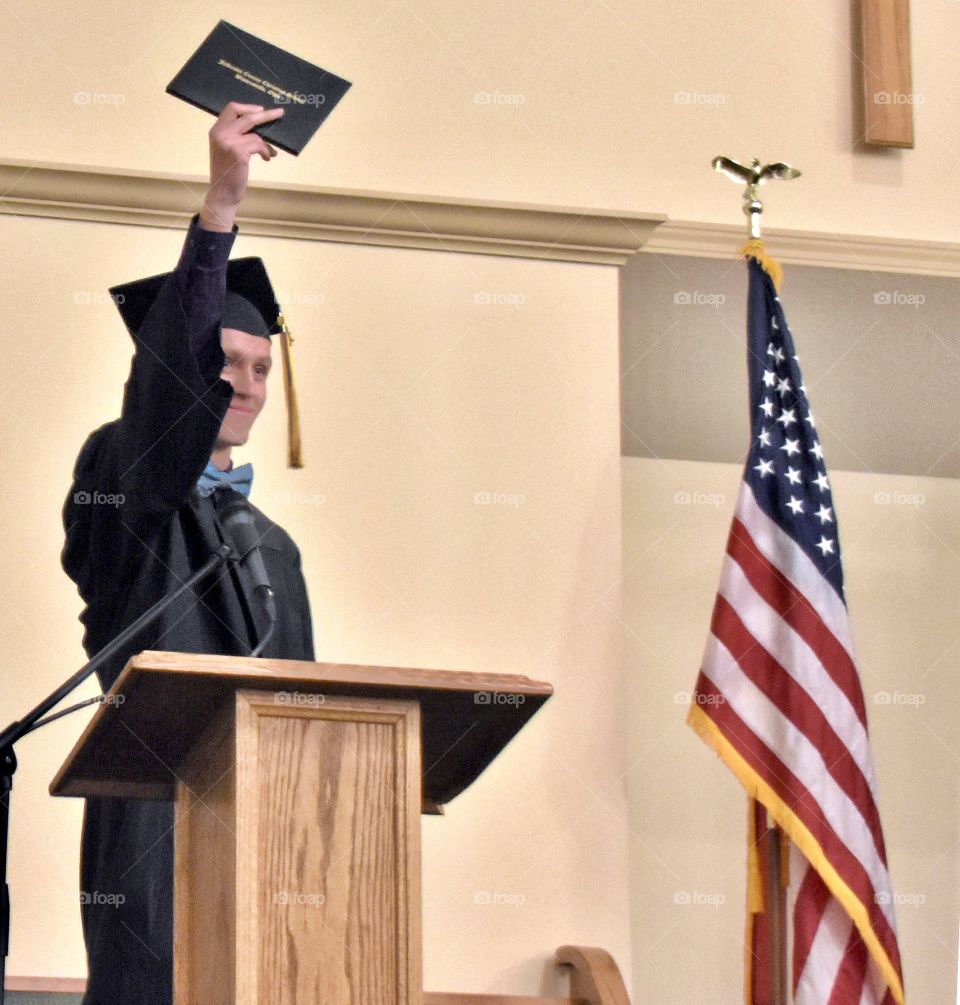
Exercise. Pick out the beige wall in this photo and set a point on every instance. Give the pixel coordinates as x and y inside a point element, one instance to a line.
<point>901,554</point>
<point>417,396</point>
<point>572,102</point>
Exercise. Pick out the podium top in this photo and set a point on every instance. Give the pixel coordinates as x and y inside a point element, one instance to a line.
<point>162,701</point>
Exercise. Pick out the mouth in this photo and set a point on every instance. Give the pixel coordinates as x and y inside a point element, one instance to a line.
<point>240,410</point>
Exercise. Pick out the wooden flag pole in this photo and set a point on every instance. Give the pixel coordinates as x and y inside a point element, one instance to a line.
<point>776,916</point>
<point>767,955</point>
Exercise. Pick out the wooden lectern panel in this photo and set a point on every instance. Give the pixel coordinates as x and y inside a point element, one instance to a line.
<point>314,808</point>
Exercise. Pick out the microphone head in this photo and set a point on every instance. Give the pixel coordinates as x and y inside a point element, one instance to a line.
<point>237,519</point>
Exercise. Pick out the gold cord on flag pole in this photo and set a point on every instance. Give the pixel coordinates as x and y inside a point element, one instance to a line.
<point>754,248</point>
<point>294,450</point>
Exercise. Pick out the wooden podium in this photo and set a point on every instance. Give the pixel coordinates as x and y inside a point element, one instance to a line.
<point>298,790</point>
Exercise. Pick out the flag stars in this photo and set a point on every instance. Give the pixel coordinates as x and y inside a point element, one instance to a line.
<point>821,481</point>
<point>825,544</point>
<point>764,438</point>
<point>788,417</point>
<point>809,418</point>
<point>816,450</point>
<point>824,514</point>
<point>795,505</point>
<point>769,378</point>
<point>793,476</point>
<point>767,407</point>
<point>764,467</point>
<point>784,385</point>
<point>791,447</point>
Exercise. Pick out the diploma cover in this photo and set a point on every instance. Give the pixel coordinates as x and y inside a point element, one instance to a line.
<point>233,65</point>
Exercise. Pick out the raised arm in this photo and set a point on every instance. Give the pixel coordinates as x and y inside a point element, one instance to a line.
<point>174,399</point>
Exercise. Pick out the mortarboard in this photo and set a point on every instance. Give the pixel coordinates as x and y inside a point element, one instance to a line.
<point>250,306</point>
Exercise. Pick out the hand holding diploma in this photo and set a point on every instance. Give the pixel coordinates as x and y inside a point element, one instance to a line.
<point>232,144</point>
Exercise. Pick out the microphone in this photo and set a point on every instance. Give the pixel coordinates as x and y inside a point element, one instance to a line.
<point>237,520</point>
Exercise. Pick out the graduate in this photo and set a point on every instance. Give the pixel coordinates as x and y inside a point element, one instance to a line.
<point>197,383</point>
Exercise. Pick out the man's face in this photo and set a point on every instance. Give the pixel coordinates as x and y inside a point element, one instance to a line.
<point>246,368</point>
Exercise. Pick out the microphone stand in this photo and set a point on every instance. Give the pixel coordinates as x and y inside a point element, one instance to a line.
<point>35,718</point>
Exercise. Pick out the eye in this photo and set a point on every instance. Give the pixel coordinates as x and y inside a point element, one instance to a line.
<point>226,362</point>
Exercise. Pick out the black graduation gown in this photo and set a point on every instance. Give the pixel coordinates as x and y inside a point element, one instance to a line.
<point>135,529</point>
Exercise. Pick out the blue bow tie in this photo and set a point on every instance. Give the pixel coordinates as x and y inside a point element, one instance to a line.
<point>240,479</point>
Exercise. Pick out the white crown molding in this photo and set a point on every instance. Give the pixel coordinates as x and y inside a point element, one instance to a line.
<point>803,247</point>
<point>352,217</point>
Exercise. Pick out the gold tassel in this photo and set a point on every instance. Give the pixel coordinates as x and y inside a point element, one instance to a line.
<point>754,249</point>
<point>294,451</point>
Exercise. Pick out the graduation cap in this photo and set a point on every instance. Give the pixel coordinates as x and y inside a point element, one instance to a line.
<point>249,306</point>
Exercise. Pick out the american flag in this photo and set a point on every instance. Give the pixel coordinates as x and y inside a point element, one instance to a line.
<point>778,696</point>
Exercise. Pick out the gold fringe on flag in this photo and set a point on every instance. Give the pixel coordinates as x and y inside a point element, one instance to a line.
<point>294,451</point>
<point>754,249</point>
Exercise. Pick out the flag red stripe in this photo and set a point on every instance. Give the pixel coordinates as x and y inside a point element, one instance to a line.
<point>848,984</point>
<point>797,705</point>
<point>797,797</point>
<point>798,612</point>
<point>812,899</point>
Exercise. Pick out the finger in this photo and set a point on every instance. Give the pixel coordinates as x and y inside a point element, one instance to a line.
<point>265,150</point>
<point>250,120</point>
<point>234,109</point>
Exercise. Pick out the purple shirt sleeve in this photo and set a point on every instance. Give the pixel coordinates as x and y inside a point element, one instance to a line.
<point>200,277</point>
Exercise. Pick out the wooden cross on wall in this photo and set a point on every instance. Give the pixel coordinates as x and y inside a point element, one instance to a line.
<point>887,88</point>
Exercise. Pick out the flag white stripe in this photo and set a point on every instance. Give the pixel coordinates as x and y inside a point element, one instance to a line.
<point>825,956</point>
<point>874,986</point>
<point>782,552</point>
<point>790,650</point>
<point>801,757</point>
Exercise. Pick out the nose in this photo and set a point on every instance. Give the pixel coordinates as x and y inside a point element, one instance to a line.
<point>242,380</point>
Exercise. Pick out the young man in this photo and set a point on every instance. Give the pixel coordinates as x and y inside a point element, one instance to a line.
<point>197,383</point>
